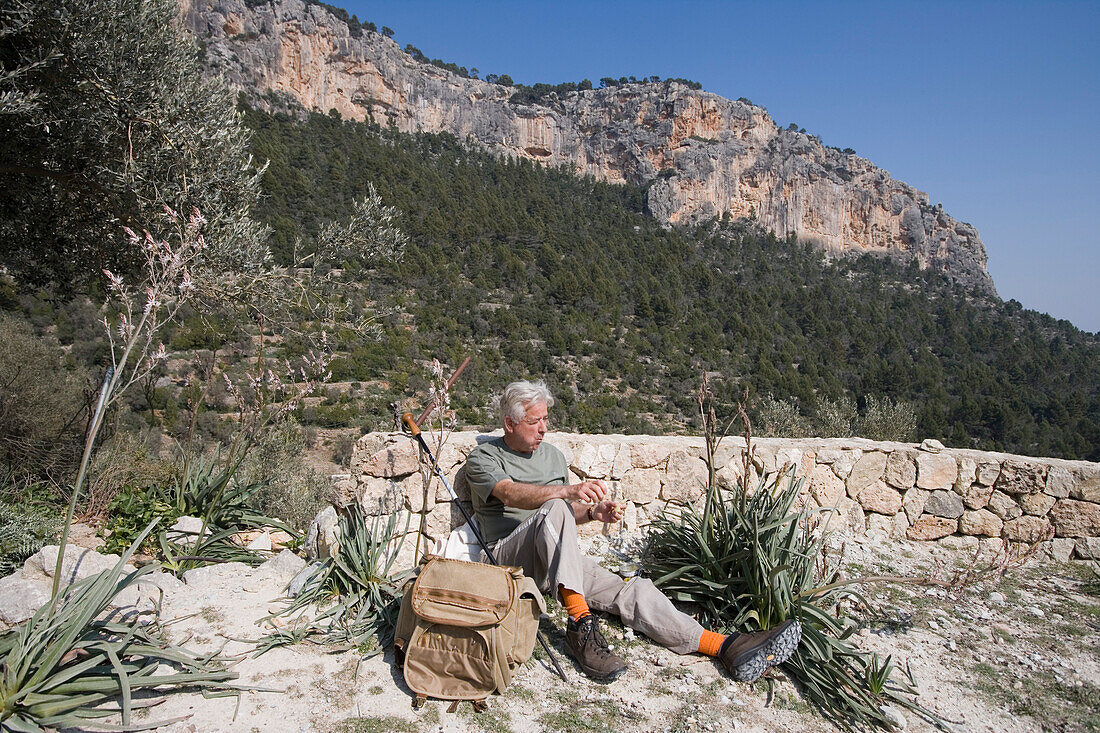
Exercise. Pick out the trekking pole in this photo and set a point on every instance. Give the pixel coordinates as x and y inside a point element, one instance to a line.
<point>410,422</point>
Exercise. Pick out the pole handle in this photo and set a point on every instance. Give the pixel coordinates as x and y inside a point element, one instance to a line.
<point>410,423</point>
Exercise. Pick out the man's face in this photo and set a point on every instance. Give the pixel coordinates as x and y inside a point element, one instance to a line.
<point>525,435</point>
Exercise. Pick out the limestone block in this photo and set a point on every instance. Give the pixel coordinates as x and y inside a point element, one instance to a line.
<point>20,598</point>
<point>879,526</point>
<point>1028,529</point>
<point>1061,549</point>
<point>913,502</point>
<point>1021,477</point>
<point>79,563</point>
<point>829,455</point>
<point>789,456</point>
<point>842,467</point>
<point>987,474</point>
<point>968,474</point>
<point>852,518</point>
<point>901,470</point>
<point>967,544</point>
<point>419,498</point>
<point>932,528</point>
<point>943,503</point>
<point>1074,518</point>
<point>641,485</point>
<point>807,464</point>
<point>825,487</point>
<point>980,522</point>
<point>936,470</point>
<point>880,499</point>
<point>931,445</point>
<point>441,520</point>
<point>595,460</point>
<point>1086,548</point>
<point>365,447</point>
<point>1004,506</point>
<point>764,456</point>
<point>283,566</point>
<point>1087,487</point>
<point>1059,482</point>
<point>866,470</point>
<point>648,455</point>
<point>323,535</point>
<point>729,452</point>
<point>977,496</point>
<point>223,575</point>
<point>629,522</point>
<point>729,475</point>
<point>379,496</point>
<point>686,478</point>
<point>899,526</point>
<point>1037,504</point>
<point>186,529</point>
<point>392,461</point>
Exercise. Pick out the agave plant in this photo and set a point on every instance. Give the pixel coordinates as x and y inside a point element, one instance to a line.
<point>748,562</point>
<point>68,664</point>
<point>361,599</point>
<point>210,491</point>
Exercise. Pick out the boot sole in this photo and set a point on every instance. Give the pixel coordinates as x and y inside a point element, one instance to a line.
<point>778,650</point>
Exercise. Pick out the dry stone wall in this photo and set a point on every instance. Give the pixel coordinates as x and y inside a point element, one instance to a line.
<point>901,490</point>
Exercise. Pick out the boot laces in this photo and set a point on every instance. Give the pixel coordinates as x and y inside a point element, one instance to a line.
<point>593,636</point>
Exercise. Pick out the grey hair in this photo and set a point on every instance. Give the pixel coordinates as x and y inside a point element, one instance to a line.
<point>518,395</point>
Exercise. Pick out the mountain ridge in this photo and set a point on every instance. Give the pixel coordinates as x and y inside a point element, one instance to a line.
<point>698,154</point>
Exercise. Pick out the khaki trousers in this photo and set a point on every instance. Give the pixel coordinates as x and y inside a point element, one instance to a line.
<point>545,546</point>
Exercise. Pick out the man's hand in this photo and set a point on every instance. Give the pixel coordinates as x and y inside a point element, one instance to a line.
<point>608,512</point>
<point>586,492</point>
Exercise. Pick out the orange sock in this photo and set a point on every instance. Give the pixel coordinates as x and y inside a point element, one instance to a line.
<point>574,603</point>
<point>710,643</point>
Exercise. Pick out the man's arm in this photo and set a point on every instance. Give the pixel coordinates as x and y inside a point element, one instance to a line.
<point>532,496</point>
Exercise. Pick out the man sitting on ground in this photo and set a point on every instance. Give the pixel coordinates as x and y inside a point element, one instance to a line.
<point>529,512</point>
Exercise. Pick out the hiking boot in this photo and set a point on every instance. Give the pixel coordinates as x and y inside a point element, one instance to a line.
<point>587,645</point>
<point>747,656</point>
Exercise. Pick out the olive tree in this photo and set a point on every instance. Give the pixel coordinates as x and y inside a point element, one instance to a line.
<point>105,119</point>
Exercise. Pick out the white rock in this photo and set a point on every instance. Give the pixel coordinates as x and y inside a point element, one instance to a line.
<point>20,598</point>
<point>894,717</point>
<point>261,543</point>
<point>79,563</point>
<point>283,566</point>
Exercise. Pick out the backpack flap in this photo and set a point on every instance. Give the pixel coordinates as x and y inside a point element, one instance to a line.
<point>460,593</point>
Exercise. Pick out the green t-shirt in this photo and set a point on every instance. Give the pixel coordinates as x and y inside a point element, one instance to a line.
<point>493,462</point>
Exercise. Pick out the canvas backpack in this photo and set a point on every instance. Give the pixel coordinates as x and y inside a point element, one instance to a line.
<point>464,627</point>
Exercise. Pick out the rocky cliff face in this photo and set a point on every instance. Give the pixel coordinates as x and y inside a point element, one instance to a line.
<point>701,155</point>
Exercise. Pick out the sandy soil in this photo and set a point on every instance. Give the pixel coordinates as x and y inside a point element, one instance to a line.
<point>1012,654</point>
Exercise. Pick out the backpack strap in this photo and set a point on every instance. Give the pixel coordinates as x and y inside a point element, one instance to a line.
<point>479,706</point>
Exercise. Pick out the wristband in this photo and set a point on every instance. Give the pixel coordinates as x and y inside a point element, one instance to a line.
<point>590,517</point>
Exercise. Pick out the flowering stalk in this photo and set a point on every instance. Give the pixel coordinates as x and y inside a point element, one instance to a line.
<point>134,351</point>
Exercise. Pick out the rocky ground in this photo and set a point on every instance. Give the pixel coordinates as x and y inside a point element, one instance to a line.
<point>1018,653</point>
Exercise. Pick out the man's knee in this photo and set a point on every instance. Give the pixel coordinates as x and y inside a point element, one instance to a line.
<point>557,511</point>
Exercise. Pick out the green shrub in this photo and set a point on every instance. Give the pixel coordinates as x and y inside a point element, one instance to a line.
<point>835,419</point>
<point>885,419</point>
<point>362,599</point>
<point>42,406</point>
<point>748,562</point>
<point>24,530</point>
<point>130,511</point>
<point>289,489</point>
<point>780,419</point>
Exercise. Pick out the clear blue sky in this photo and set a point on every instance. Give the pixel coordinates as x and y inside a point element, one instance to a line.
<point>991,108</point>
